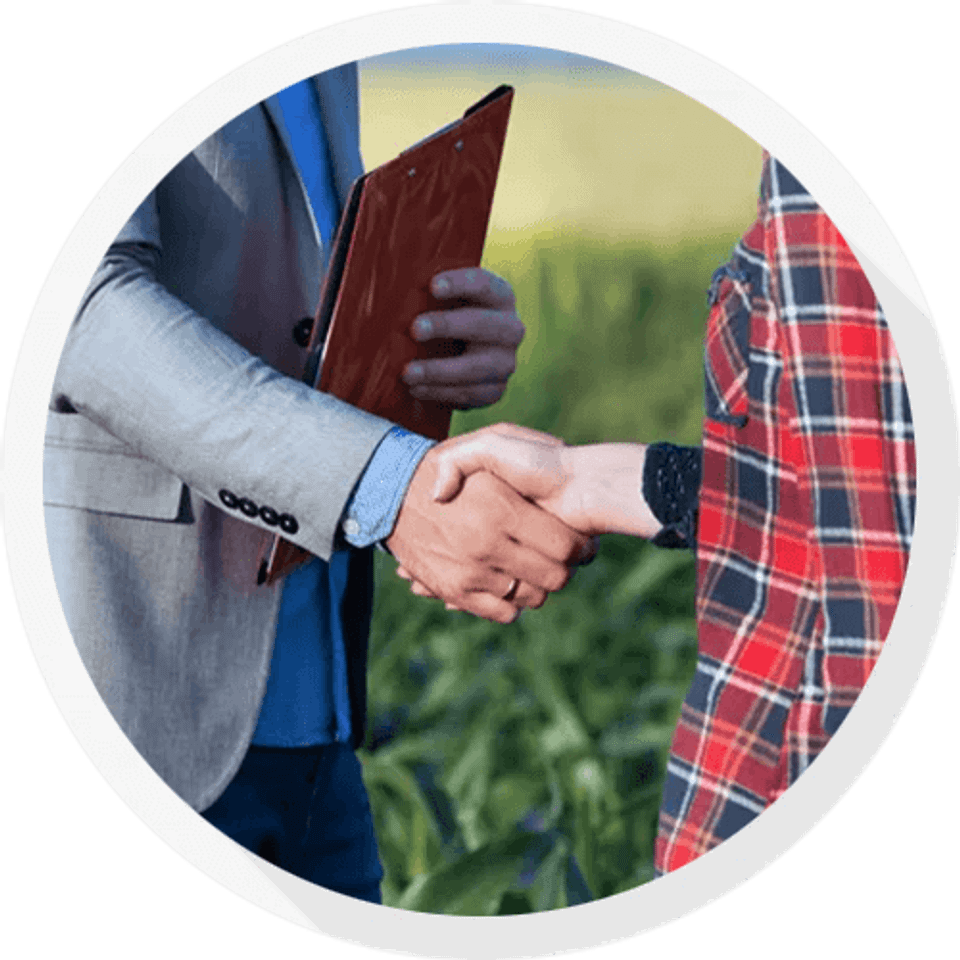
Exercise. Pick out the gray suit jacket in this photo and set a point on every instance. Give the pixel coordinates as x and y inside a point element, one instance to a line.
<point>179,435</point>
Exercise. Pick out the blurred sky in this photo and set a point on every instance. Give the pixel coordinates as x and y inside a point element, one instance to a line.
<point>495,56</point>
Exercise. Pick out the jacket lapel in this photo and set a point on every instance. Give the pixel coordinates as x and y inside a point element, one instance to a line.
<point>339,110</point>
<point>272,106</point>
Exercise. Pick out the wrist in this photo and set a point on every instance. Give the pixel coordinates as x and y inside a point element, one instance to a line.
<point>371,512</point>
<point>606,479</point>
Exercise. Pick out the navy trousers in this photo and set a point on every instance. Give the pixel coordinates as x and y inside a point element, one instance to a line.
<point>306,810</point>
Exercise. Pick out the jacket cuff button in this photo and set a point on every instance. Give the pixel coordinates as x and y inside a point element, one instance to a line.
<point>269,516</point>
<point>228,499</point>
<point>288,523</point>
<point>248,508</point>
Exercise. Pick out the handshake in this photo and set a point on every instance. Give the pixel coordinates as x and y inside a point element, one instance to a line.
<point>495,520</point>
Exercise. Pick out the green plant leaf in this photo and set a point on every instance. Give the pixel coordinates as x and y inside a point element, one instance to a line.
<point>635,739</point>
<point>548,891</point>
<point>576,886</point>
<point>422,828</point>
<point>655,567</point>
<point>513,903</point>
<point>476,883</point>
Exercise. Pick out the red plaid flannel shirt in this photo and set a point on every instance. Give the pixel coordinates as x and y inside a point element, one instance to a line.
<point>805,517</point>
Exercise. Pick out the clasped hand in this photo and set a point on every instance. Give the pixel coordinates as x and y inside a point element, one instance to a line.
<point>489,550</point>
<point>593,489</point>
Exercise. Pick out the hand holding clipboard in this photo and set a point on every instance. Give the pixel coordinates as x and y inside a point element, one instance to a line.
<point>420,214</point>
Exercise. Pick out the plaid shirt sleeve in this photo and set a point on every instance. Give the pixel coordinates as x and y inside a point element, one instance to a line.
<point>805,517</point>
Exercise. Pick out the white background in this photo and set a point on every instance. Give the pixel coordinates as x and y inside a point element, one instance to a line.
<point>72,841</point>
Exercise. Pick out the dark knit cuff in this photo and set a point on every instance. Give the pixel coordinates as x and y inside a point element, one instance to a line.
<point>671,487</point>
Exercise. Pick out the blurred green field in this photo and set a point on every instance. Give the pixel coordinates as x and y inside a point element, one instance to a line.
<point>519,768</point>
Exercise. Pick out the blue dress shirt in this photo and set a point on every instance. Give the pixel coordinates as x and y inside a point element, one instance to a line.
<point>307,700</point>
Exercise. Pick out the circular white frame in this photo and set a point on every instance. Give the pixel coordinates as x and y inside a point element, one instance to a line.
<point>735,860</point>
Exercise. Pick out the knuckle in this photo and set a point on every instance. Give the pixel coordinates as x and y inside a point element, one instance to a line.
<point>484,483</point>
<point>556,579</point>
<point>502,288</point>
<point>477,542</point>
<point>536,599</point>
<point>511,330</point>
<point>570,547</point>
<point>485,544</point>
<point>457,587</point>
<point>468,605</point>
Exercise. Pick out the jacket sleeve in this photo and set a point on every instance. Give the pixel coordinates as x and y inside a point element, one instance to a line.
<point>860,472</point>
<point>854,428</point>
<point>178,391</point>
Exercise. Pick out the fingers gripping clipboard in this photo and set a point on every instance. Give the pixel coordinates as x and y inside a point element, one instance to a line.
<point>424,212</point>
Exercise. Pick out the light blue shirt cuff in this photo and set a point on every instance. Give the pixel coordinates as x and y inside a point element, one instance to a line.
<point>372,509</point>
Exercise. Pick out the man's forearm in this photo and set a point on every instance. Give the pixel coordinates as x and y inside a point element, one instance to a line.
<point>164,380</point>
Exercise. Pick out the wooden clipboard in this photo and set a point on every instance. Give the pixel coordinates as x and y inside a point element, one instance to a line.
<point>424,212</point>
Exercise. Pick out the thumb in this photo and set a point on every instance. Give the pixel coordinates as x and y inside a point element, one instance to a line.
<point>467,455</point>
<point>532,469</point>
<point>456,459</point>
<point>449,479</point>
